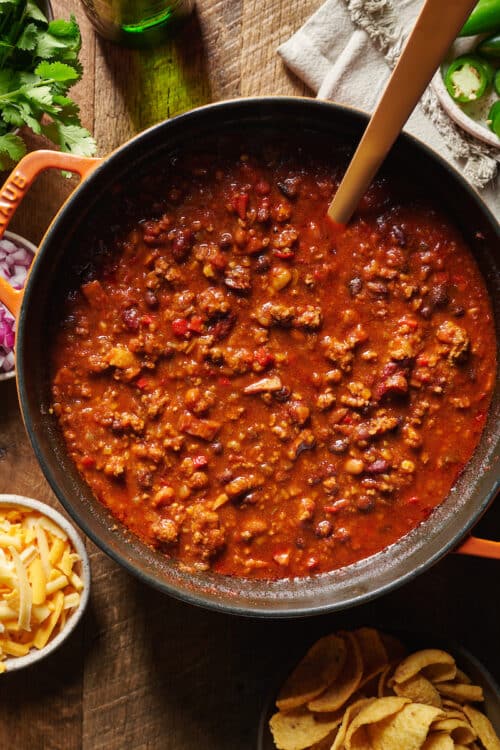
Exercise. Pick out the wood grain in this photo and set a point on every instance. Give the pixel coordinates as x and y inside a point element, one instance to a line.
<point>146,672</point>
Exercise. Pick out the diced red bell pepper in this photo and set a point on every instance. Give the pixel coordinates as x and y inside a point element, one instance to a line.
<point>88,462</point>
<point>195,324</point>
<point>409,321</point>
<point>142,383</point>
<point>200,461</point>
<point>180,327</point>
<point>146,320</point>
<point>285,253</point>
<point>223,380</point>
<point>264,357</point>
<point>240,204</point>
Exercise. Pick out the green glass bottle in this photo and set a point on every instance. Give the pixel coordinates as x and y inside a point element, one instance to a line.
<point>136,22</point>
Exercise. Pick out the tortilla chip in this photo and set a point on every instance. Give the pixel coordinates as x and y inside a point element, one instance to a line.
<point>419,690</point>
<point>461,693</point>
<point>483,727</point>
<point>450,705</point>
<point>440,672</point>
<point>393,647</point>
<point>298,729</point>
<point>383,688</point>
<point>326,743</point>
<point>377,711</point>
<point>420,661</point>
<point>350,713</point>
<point>373,652</point>
<point>314,673</point>
<point>346,683</point>
<point>459,729</point>
<point>407,729</point>
<point>438,741</point>
<point>462,677</point>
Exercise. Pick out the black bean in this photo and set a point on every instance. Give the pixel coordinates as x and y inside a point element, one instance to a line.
<point>289,187</point>
<point>282,395</point>
<point>378,467</point>
<point>458,311</point>
<point>338,446</point>
<point>365,504</point>
<point>150,298</point>
<point>225,240</point>
<point>426,311</point>
<point>262,264</point>
<point>378,289</point>
<point>323,529</point>
<point>130,317</point>
<point>439,295</point>
<point>217,448</point>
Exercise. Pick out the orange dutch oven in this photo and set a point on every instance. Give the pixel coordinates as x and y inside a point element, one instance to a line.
<point>447,528</point>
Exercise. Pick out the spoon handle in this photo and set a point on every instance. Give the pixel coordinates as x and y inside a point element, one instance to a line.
<point>435,29</point>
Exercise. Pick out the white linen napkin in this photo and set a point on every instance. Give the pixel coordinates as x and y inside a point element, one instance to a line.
<point>345,52</point>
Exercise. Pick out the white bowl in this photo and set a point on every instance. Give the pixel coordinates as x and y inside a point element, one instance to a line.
<point>83,570</point>
<point>20,242</point>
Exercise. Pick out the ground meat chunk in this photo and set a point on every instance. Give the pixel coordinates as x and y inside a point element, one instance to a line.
<point>238,278</point>
<point>455,340</point>
<point>275,313</point>
<point>375,427</point>
<point>212,302</point>
<point>206,429</point>
<point>299,412</point>
<point>165,531</point>
<point>95,294</point>
<point>358,397</point>
<point>198,401</point>
<point>310,318</point>
<point>207,535</point>
<point>242,485</point>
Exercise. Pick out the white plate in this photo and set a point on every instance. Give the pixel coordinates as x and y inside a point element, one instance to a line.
<point>471,117</point>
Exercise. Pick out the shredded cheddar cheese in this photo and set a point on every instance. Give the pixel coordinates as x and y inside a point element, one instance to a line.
<point>39,586</point>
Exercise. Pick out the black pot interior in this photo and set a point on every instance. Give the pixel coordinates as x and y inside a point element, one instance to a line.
<point>335,590</point>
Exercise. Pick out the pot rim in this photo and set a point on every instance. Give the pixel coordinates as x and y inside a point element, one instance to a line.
<point>203,598</point>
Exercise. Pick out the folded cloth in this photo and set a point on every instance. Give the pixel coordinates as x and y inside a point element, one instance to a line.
<point>345,52</point>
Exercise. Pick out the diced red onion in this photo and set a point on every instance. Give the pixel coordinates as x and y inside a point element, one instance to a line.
<point>14,264</point>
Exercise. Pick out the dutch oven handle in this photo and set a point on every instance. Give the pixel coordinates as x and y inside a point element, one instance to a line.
<point>480,548</point>
<point>15,188</point>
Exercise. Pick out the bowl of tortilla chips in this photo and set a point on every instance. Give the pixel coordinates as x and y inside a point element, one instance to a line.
<point>366,690</point>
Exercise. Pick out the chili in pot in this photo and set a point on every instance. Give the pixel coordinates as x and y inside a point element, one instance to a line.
<point>250,393</point>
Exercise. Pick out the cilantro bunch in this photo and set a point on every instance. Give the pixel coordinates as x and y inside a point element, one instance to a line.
<point>38,64</point>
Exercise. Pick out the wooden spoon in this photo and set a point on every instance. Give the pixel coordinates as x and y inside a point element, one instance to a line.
<point>435,29</point>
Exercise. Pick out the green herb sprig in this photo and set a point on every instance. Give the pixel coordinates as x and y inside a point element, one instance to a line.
<point>38,64</point>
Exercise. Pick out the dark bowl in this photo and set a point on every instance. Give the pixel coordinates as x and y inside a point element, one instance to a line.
<point>464,659</point>
<point>351,585</point>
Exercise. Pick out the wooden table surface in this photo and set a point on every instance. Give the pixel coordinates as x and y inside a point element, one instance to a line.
<point>143,670</point>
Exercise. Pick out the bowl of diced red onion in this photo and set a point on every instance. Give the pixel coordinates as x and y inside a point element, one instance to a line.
<point>16,257</point>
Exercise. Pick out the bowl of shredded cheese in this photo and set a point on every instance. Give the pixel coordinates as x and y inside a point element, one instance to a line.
<point>44,581</point>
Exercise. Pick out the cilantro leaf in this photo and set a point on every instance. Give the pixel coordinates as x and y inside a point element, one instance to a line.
<point>12,149</point>
<point>33,11</point>
<point>38,64</point>
<point>28,38</point>
<point>76,139</point>
<point>57,71</point>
